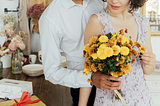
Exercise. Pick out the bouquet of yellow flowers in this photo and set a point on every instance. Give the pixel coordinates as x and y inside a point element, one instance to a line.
<point>110,54</point>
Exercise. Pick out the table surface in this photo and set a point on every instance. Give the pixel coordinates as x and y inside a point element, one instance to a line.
<point>50,94</point>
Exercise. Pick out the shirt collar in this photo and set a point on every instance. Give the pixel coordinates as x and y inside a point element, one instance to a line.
<point>69,3</point>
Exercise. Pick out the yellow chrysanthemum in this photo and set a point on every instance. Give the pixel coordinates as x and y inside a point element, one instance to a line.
<point>117,64</point>
<point>102,46</point>
<point>104,53</point>
<point>133,60</point>
<point>94,56</point>
<point>128,58</point>
<point>112,41</point>
<point>94,68</point>
<point>103,38</point>
<point>114,74</point>
<point>122,39</point>
<point>131,42</point>
<point>125,68</point>
<point>127,41</point>
<point>130,47</point>
<point>85,64</point>
<point>85,73</point>
<point>87,69</point>
<point>142,49</point>
<point>116,49</point>
<point>86,55</point>
<point>108,52</point>
<point>91,51</point>
<point>137,44</point>
<point>94,45</point>
<point>124,50</point>
<point>86,47</point>
<point>121,60</point>
<point>89,80</point>
<point>120,73</point>
<point>113,34</point>
<point>93,40</point>
<point>130,53</point>
<point>135,53</point>
<point>100,67</point>
<point>122,31</point>
<point>101,54</point>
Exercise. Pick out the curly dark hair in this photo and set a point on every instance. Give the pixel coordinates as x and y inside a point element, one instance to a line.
<point>136,4</point>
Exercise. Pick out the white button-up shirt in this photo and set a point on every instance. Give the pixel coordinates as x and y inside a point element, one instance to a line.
<point>62,27</point>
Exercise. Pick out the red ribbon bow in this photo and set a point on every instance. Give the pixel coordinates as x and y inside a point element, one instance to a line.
<point>24,100</point>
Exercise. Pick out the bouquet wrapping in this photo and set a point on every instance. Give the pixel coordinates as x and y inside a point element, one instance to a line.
<point>111,54</point>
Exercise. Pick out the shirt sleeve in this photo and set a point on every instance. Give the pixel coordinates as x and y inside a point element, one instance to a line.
<point>50,37</point>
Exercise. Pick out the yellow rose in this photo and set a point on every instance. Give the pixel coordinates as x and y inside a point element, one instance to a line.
<point>103,38</point>
<point>124,50</point>
<point>116,49</point>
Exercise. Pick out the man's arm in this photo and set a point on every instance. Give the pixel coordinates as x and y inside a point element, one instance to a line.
<point>99,79</point>
<point>51,37</point>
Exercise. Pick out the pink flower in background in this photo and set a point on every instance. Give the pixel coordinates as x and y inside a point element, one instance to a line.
<point>9,29</point>
<point>1,53</point>
<point>23,59</point>
<point>18,38</point>
<point>21,45</point>
<point>12,46</point>
<point>8,39</point>
<point>36,11</point>
<point>10,32</point>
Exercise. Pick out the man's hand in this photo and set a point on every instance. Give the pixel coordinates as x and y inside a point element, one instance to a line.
<point>102,82</point>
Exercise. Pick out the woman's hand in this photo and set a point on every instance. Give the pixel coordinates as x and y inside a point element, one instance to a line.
<point>102,82</point>
<point>148,62</point>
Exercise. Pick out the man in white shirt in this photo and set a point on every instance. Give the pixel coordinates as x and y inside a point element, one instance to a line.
<point>62,26</point>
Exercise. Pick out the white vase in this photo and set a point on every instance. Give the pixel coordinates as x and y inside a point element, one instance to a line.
<point>6,59</point>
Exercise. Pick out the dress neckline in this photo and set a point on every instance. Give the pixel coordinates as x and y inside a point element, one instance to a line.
<point>138,34</point>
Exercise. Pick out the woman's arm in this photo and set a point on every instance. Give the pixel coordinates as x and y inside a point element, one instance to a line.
<point>149,58</point>
<point>84,96</point>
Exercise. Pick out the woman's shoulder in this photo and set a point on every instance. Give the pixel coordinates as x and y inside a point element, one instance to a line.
<point>102,12</point>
